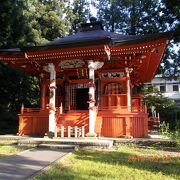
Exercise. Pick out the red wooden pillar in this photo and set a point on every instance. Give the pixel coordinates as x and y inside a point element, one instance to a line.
<point>128,126</point>
<point>109,101</point>
<point>43,93</point>
<point>67,92</point>
<point>118,101</point>
<point>22,108</point>
<point>146,125</point>
<point>69,97</point>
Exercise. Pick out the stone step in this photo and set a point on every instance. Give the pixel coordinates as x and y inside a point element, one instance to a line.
<point>81,142</point>
<point>57,146</point>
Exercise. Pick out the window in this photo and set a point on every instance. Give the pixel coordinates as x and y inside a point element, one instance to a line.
<point>113,88</point>
<point>162,88</point>
<point>148,85</point>
<point>175,87</point>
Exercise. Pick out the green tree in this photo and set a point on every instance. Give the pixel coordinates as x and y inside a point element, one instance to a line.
<point>16,88</point>
<point>79,13</point>
<point>32,22</point>
<point>129,16</point>
<point>154,98</point>
<point>45,20</point>
<point>11,23</point>
<point>22,88</point>
<point>26,23</point>
<point>137,17</point>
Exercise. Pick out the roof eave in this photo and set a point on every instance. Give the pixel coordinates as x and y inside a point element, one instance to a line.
<point>75,44</point>
<point>145,38</point>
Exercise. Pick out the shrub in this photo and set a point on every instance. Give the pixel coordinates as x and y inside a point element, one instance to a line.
<point>164,129</point>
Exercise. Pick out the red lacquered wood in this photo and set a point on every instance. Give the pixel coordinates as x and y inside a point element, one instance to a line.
<point>33,122</point>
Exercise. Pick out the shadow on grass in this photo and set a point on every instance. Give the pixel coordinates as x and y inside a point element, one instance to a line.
<point>164,145</point>
<point>67,173</point>
<point>169,168</point>
<point>67,170</point>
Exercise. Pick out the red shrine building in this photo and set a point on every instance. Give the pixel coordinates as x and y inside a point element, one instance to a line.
<point>87,80</point>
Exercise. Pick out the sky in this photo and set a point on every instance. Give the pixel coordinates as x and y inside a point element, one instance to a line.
<point>93,10</point>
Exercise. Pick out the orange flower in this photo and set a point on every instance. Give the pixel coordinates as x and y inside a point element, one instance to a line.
<point>167,159</point>
<point>132,159</point>
<point>154,158</point>
<point>141,158</point>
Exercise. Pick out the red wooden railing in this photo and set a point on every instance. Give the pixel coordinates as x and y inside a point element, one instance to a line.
<point>123,109</point>
<point>33,110</point>
<point>111,121</point>
<point>113,100</point>
<point>33,121</point>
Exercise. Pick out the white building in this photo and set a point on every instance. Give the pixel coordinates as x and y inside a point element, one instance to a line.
<point>169,88</point>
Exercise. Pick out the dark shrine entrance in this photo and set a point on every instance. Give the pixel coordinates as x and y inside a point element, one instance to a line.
<point>81,99</point>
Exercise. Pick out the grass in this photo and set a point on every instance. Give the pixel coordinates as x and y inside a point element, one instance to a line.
<point>9,148</point>
<point>124,162</point>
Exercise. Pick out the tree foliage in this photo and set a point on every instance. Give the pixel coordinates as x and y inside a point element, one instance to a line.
<point>32,22</point>
<point>80,13</point>
<point>25,23</point>
<point>17,90</point>
<point>12,23</point>
<point>154,98</point>
<point>137,17</point>
<point>28,23</point>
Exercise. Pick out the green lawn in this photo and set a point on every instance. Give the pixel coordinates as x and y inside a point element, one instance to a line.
<point>9,147</point>
<point>124,162</point>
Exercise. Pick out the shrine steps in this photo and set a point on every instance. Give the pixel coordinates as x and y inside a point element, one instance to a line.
<point>66,143</point>
<point>74,118</point>
<point>57,146</point>
<point>78,118</point>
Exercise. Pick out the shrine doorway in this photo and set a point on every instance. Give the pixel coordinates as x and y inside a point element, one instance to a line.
<point>81,99</point>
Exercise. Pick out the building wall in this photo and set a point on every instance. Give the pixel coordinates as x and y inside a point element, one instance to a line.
<point>169,88</point>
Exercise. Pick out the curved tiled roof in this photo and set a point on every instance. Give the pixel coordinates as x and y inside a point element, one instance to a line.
<point>92,34</point>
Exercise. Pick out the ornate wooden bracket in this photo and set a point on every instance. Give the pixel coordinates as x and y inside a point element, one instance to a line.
<point>50,107</point>
<point>91,101</point>
<point>51,88</point>
<point>91,83</point>
<point>92,108</point>
<point>51,82</point>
